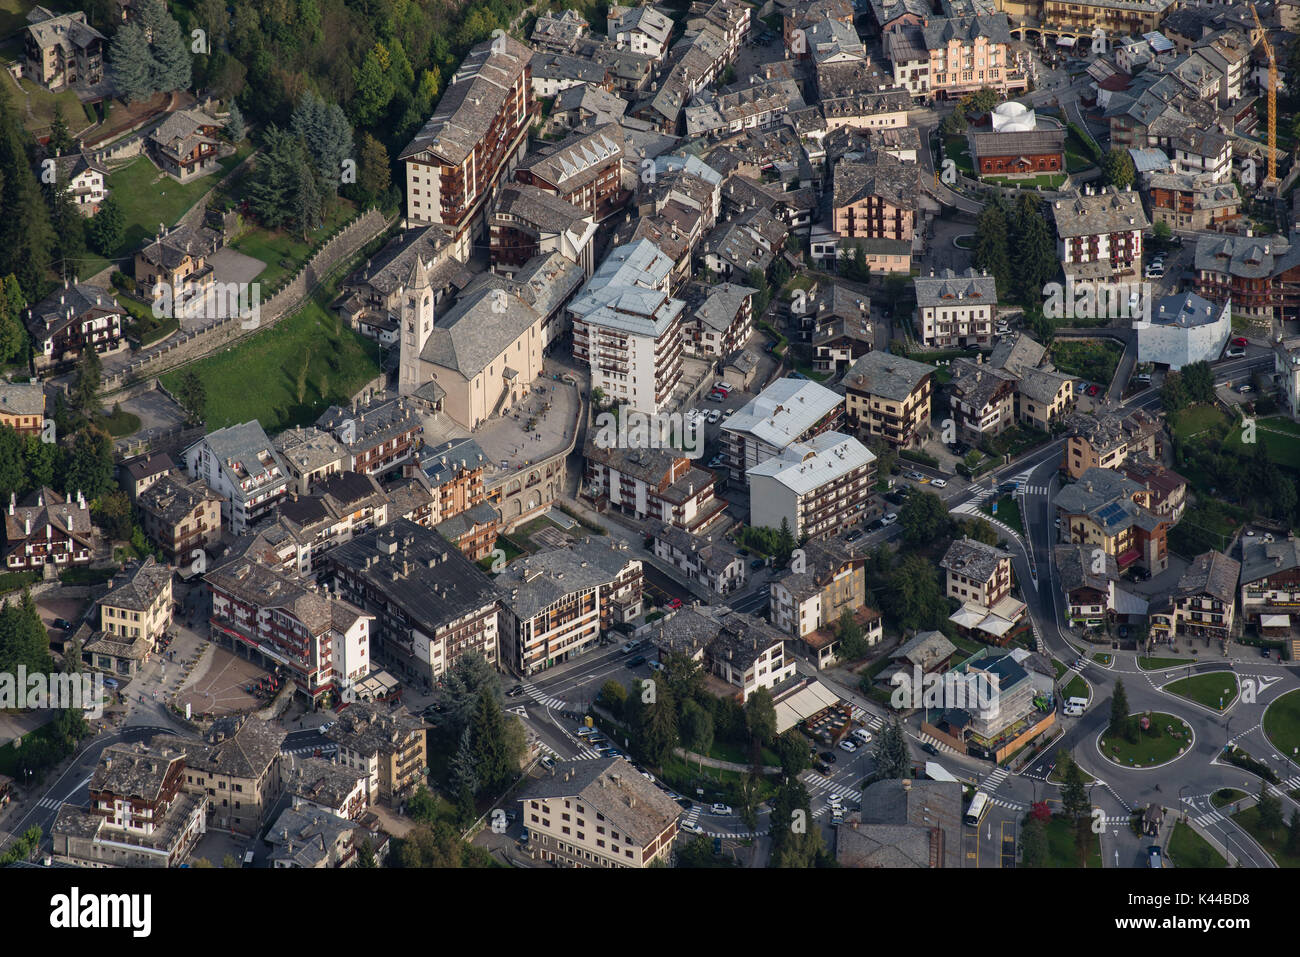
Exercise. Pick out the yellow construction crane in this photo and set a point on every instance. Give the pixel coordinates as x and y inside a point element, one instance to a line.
<point>1271,180</point>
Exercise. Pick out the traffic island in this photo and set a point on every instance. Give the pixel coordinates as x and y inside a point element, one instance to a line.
<point>1216,690</point>
<point>1160,739</point>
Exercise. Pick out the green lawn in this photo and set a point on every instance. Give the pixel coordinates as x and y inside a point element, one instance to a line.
<point>285,252</point>
<point>43,102</point>
<point>149,197</point>
<point>957,148</point>
<point>1189,849</point>
<point>1282,723</point>
<point>1216,690</point>
<point>1196,419</point>
<point>263,377</point>
<point>1091,359</point>
<point>1225,796</point>
<point>1280,440</point>
<point>1274,842</point>
<point>1008,513</point>
<point>1209,523</point>
<point>1077,688</point>
<point>1159,664</point>
<point>1101,659</point>
<point>1061,849</point>
<point>119,423</point>
<point>1150,748</point>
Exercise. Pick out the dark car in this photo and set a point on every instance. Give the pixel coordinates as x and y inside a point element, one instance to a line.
<point>894,498</point>
<point>63,623</point>
<point>827,756</point>
<point>823,768</point>
<point>929,748</point>
<point>758,563</point>
<point>636,662</point>
<point>854,535</point>
<point>516,691</point>
<point>1265,653</point>
<point>1009,488</point>
<point>685,802</point>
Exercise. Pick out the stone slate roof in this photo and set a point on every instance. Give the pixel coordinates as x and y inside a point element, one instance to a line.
<point>472,100</point>
<point>972,559</point>
<point>134,770</point>
<point>137,585</point>
<point>531,584</point>
<point>241,746</point>
<point>948,286</point>
<point>369,728</point>
<point>886,375</point>
<point>172,498</point>
<point>1074,564</point>
<point>1100,213</point>
<point>1026,143</point>
<point>616,790</point>
<point>578,159</point>
<point>22,398</point>
<point>1262,559</point>
<point>304,837</point>
<point>1017,354</point>
<point>1210,573</point>
<point>965,30</point>
<point>476,329</point>
<point>888,178</point>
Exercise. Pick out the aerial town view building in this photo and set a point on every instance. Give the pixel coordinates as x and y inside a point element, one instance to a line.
<point>653,434</point>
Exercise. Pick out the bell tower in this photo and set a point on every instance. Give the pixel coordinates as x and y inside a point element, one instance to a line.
<point>416,321</point>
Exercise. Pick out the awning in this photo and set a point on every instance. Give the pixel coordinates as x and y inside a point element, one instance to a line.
<point>1065,41</point>
<point>1275,621</point>
<point>804,703</point>
<point>1129,557</point>
<point>993,625</point>
<point>968,615</point>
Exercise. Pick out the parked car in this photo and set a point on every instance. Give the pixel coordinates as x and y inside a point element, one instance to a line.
<point>1245,387</point>
<point>929,748</point>
<point>847,745</point>
<point>1094,390</point>
<point>1265,653</point>
<point>1154,858</point>
<point>862,734</point>
<point>674,604</point>
<point>690,828</point>
<point>721,809</point>
<point>1240,341</point>
<point>827,756</point>
<point>585,732</point>
<point>939,483</point>
<point>1081,388</point>
<point>890,518</point>
<point>1235,352</point>
<point>714,417</point>
<point>63,623</point>
<point>853,536</point>
<point>757,563</point>
<point>636,662</point>
<point>548,762</point>
<point>823,768</point>
<point>728,413</point>
<point>628,648</point>
<point>656,666</point>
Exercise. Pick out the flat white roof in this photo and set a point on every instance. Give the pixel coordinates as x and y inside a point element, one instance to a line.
<point>805,466</point>
<point>784,411</point>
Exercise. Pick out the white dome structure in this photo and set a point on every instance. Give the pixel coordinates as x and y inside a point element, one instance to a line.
<point>1013,117</point>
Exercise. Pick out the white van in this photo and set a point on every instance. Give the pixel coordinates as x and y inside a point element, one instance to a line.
<point>1080,703</point>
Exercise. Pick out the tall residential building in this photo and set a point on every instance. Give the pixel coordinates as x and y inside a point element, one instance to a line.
<point>388,746</point>
<point>628,329</point>
<point>556,604</point>
<point>476,136</point>
<point>1110,511</point>
<point>432,604</point>
<point>888,397</point>
<point>1099,235</point>
<point>817,488</point>
<point>240,464</point>
<point>956,310</point>
<point>1106,440</point>
<point>786,412</point>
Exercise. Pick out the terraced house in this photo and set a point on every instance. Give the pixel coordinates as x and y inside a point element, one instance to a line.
<point>876,200</point>
<point>556,604</point>
<point>585,170</point>
<point>388,746</point>
<point>181,518</point>
<point>1204,601</point>
<point>1270,586</point>
<point>1087,580</point>
<point>378,434</point>
<point>45,529</point>
<point>475,138</point>
<point>242,467</point>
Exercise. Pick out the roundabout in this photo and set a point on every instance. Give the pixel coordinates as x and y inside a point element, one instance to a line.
<point>1161,739</point>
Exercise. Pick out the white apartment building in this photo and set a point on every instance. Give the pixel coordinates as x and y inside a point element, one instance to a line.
<point>818,487</point>
<point>628,329</point>
<point>239,464</point>
<point>787,411</point>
